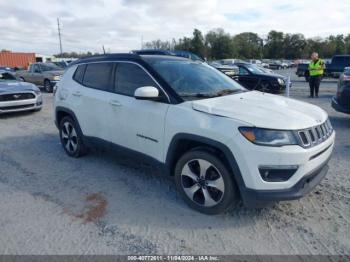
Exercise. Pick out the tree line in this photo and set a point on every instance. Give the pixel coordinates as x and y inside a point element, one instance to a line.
<point>218,44</point>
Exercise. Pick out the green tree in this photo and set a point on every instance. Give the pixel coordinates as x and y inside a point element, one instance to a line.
<point>219,44</point>
<point>157,44</point>
<point>248,45</point>
<point>294,46</point>
<point>198,44</point>
<point>273,47</point>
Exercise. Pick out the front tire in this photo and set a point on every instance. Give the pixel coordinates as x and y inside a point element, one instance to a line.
<point>47,86</point>
<point>70,137</point>
<point>205,183</point>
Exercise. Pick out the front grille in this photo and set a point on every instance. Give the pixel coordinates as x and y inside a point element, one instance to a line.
<point>4,108</point>
<point>16,97</point>
<point>315,135</point>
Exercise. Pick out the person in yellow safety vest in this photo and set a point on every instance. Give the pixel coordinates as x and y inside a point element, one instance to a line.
<point>316,68</point>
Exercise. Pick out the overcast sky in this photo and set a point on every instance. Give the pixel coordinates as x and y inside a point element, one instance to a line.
<point>119,24</point>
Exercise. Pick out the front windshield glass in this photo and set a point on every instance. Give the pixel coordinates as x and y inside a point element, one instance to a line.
<point>255,69</point>
<point>49,67</point>
<point>193,80</point>
<point>4,76</point>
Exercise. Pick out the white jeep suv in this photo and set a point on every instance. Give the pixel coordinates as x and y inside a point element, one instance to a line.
<point>221,142</point>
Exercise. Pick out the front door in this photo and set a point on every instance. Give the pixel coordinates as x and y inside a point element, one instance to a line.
<point>246,78</point>
<point>142,121</point>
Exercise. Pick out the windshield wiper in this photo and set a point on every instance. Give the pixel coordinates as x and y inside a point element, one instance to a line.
<point>211,95</point>
<point>203,95</point>
<point>228,91</point>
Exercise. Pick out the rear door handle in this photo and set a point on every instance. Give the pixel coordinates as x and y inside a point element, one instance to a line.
<point>77,93</point>
<point>115,103</point>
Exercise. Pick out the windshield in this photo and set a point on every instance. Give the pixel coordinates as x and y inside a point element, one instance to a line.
<point>255,69</point>
<point>4,76</point>
<point>49,67</point>
<point>193,80</point>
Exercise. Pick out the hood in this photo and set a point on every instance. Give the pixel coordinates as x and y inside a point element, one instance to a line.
<point>55,72</point>
<point>263,110</point>
<point>16,86</point>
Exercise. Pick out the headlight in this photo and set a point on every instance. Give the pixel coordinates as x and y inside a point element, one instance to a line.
<point>280,81</point>
<point>268,137</point>
<point>56,78</point>
<point>37,92</point>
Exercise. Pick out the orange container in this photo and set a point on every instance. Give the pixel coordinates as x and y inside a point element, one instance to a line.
<point>20,60</point>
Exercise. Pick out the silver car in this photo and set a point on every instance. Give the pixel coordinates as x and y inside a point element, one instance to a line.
<point>18,96</point>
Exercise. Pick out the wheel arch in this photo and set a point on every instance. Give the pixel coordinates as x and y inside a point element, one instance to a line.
<point>61,112</point>
<point>183,142</point>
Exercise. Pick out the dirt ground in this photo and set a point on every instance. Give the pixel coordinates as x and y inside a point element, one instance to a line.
<point>108,204</point>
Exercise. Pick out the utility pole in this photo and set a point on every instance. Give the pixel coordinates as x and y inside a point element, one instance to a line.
<point>59,34</point>
<point>141,42</point>
<point>104,51</point>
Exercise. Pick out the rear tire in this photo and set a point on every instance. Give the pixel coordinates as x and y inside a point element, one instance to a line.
<point>205,183</point>
<point>71,138</point>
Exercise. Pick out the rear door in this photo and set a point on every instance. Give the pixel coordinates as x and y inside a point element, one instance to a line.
<point>94,98</point>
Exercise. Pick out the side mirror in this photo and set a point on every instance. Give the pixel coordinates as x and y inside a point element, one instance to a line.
<point>147,93</point>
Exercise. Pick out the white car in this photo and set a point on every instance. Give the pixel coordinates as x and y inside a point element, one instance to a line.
<point>221,142</point>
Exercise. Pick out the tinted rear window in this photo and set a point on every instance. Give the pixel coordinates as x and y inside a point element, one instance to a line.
<point>99,76</point>
<point>79,74</point>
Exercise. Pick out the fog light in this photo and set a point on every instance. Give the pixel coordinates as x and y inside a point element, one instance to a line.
<point>277,173</point>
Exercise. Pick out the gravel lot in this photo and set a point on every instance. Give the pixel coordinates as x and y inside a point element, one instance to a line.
<point>108,204</point>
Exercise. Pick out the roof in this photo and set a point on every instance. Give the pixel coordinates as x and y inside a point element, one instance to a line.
<point>123,56</point>
<point>106,57</point>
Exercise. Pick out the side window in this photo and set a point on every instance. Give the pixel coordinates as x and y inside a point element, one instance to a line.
<point>243,71</point>
<point>99,76</point>
<point>129,77</point>
<point>37,69</point>
<point>79,74</point>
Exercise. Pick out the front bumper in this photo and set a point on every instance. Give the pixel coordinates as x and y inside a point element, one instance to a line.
<point>310,162</point>
<point>21,105</point>
<point>254,198</point>
<point>338,107</point>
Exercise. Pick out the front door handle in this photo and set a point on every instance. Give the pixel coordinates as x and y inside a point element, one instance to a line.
<point>77,93</point>
<point>115,103</point>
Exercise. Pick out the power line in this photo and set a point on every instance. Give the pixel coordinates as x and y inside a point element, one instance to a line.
<point>59,34</point>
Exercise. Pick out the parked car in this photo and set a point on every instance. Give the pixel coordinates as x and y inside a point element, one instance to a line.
<point>287,64</point>
<point>179,53</point>
<point>221,142</point>
<point>42,74</point>
<point>275,64</point>
<point>230,71</point>
<point>303,70</point>
<point>6,68</point>
<point>256,78</point>
<point>337,65</point>
<point>229,62</point>
<point>333,68</point>
<point>341,102</point>
<point>61,64</point>
<point>18,96</point>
